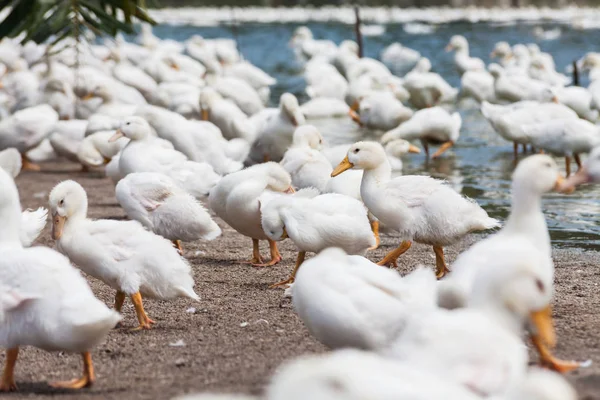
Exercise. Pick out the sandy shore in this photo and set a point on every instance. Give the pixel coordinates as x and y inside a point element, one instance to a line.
<point>241,331</point>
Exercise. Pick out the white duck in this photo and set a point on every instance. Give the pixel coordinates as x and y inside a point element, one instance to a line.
<point>481,347</point>
<point>158,203</point>
<point>352,374</point>
<point>508,121</point>
<point>477,84</point>
<point>324,107</point>
<point>304,161</point>
<point>464,62</point>
<point>145,153</point>
<point>514,88</point>
<point>315,222</point>
<point>348,301</point>
<point>426,88</point>
<point>236,200</point>
<point>45,302</point>
<point>399,58</point>
<point>431,126</point>
<point>564,137</point>
<point>66,137</point>
<point>95,150</point>
<point>110,105</point>
<point>420,208</point>
<point>32,222</point>
<point>381,111</point>
<point>226,115</point>
<point>525,235</point>
<point>25,129</point>
<point>121,254</point>
<point>275,129</point>
<point>577,99</point>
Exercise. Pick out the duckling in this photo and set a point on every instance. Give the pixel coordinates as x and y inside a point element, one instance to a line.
<point>431,126</point>
<point>45,302</point>
<point>420,208</point>
<point>158,203</point>
<point>307,166</point>
<point>121,254</point>
<point>236,200</point>
<point>348,301</point>
<point>315,222</point>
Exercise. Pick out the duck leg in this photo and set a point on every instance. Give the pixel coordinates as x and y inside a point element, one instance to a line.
<point>426,148</point>
<point>292,278</point>
<point>143,318</point>
<point>515,151</point>
<point>523,148</point>
<point>256,257</point>
<point>178,246</point>
<point>8,379</point>
<point>577,161</point>
<point>275,255</point>
<point>440,264</point>
<point>119,300</point>
<point>375,229</point>
<point>568,166</point>
<point>443,149</point>
<point>86,380</point>
<point>549,361</point>
<point>392,256</point>
<point>28,165</point>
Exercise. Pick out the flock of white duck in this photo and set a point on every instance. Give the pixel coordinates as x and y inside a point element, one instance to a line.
<point>184,126</point>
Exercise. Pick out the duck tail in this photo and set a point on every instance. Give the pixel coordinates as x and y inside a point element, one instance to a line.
<point>187,292</point>
<point>213,233</point>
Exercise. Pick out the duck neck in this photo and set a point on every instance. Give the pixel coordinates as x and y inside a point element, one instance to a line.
<point>378,176</point>
<point>526,216</point>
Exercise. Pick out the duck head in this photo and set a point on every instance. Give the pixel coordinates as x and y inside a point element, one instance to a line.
<point>362,155</point>
<point>517,290</point>
<point>288,105</point>
<point>457,42</point>
<point>538,174</point>
<point>134,128</point>
<point>67,201</point>
<point>308,135</point>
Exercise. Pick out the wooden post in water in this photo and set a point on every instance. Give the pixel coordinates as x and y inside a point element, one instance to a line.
<point>357,31</point>
<point>575,74</point>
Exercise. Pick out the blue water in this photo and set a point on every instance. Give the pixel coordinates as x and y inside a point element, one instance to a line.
<point>481,164</point>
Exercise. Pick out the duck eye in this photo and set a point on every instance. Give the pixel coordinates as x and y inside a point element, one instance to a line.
<point>61,203</point>
<point>129,123</point>
<point>548,165</point>
<point>540,285</point>
<point>356,150</point>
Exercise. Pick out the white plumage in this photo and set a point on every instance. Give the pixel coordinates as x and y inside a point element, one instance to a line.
<point>158,203</point>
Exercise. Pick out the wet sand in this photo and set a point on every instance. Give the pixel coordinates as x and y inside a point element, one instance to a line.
<point>241,330</point>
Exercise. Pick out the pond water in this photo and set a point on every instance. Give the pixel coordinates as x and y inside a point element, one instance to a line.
<point>480,165</point>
